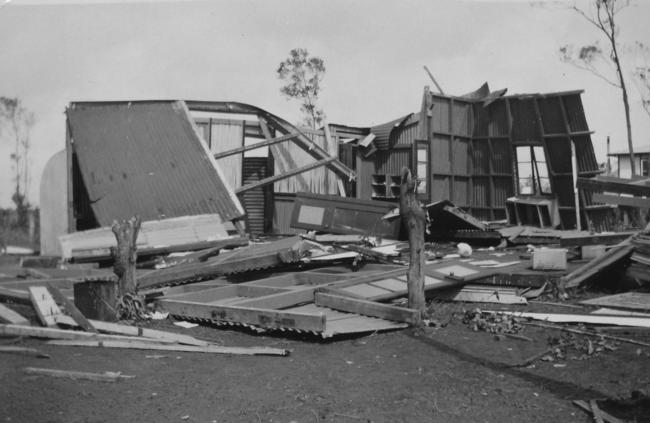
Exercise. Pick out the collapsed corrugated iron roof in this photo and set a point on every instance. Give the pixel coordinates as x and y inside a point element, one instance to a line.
<point>146,158</point>
<point>384,132</point>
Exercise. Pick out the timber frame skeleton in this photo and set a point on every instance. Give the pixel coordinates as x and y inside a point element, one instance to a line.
<point>270,124</point>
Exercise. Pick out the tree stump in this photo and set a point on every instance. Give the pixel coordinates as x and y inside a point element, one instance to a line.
<point>413,217</point>
<point>125,254</point>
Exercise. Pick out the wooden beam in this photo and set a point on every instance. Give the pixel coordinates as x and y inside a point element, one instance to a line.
<point>279,300</point>
<point>621,201</point>
<point>367,308</point>
<point>248,316</point>
<point>617,187</point>
<point>52,333</point>
<point>160,335</point>
<point>69,374</point>
<point>46,308</point>
<point>255,146</point>
<point>285,175</point>
<point>276,123</point>
<point>434,80</point>
<point>584,272</point>
<point>10,316</point>
<point>589,408</point>
<point>23,350</point>
<point>580,318</point>
<point>214,349</point>
<point>365,142</point>
<point>21,297</point>
<point>72,309</point>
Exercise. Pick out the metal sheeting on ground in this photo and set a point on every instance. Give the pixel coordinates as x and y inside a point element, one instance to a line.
<point>146,158</point>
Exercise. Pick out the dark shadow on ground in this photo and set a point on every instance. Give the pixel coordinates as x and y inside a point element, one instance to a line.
<point>560,389</point>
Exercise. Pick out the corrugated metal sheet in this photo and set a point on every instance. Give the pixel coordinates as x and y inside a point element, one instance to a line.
<point>409,132</point>
<point>282,209</point>
<point>288,156</point>
<point>575,113</point>
<point>223,137</point>
<point>551,112</point>
<point>146,158</point>
<point>559,155</point>
<point>461,115</point>
<point>525,125</point>
<point>386,133</point>
<point>391,162</point>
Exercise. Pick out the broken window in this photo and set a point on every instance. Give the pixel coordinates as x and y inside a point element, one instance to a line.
<point>532,171</point>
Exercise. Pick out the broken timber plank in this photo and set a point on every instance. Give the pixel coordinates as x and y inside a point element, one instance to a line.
<point>483,294</point>
<point>23,350</point>
<point>21,297</point>
<point>581,318</point>
<point>571,239</point>
<point>284,175</point>
<point>147,333</point>
<point>588,333</point>
<point>254,257</point>
<point>46,308</point>
<point>621,201</point>
<point>99,377</point>
<point>367,308</point>
<point>593,267</point>
<point>626,300</point>
<point>279,300</point>
<point>604,415</point>
<point>52,333</point>
<point>10,316</point>
<point>72,309</point>
<point>245,148</point>
<point>214,349</point>
<point>617,187</point>
<point>264,318</point>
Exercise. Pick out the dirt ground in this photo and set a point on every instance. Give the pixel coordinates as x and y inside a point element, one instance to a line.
<point>441,374</point>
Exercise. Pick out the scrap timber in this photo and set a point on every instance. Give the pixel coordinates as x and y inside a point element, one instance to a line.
<point>254,257</point>
<point>187,233</point>
<point>337,215</point>
<point>318,302</point>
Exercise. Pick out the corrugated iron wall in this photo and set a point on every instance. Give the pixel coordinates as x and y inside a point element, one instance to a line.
<point>471,150</point>
<point>288,156</point>
<point>409,133</point>
<point>146,158</point>
<point>226,135</point>
<point>451,154</point>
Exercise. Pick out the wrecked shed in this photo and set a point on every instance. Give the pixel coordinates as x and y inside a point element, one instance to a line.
<point>141,158</point>
<point>165,159</point>
<point>495,156</point>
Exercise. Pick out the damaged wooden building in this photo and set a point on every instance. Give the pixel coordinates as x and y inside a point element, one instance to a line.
<point>497,156</point>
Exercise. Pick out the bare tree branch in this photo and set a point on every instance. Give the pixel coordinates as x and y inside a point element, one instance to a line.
<point>605,22</point>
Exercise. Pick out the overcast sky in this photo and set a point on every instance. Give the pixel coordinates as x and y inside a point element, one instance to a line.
<point>56,52</point>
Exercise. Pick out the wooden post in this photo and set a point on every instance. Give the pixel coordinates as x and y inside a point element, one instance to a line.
<point>576,196</point>
<point>125,254</point>
<point>413,218</point>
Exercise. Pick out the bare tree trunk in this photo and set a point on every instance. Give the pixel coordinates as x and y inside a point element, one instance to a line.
<point>414,219</point>
<point>626,104</point>
<point>125,254</point>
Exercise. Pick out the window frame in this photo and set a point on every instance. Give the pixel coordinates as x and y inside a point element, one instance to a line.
<point>538,187</point>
